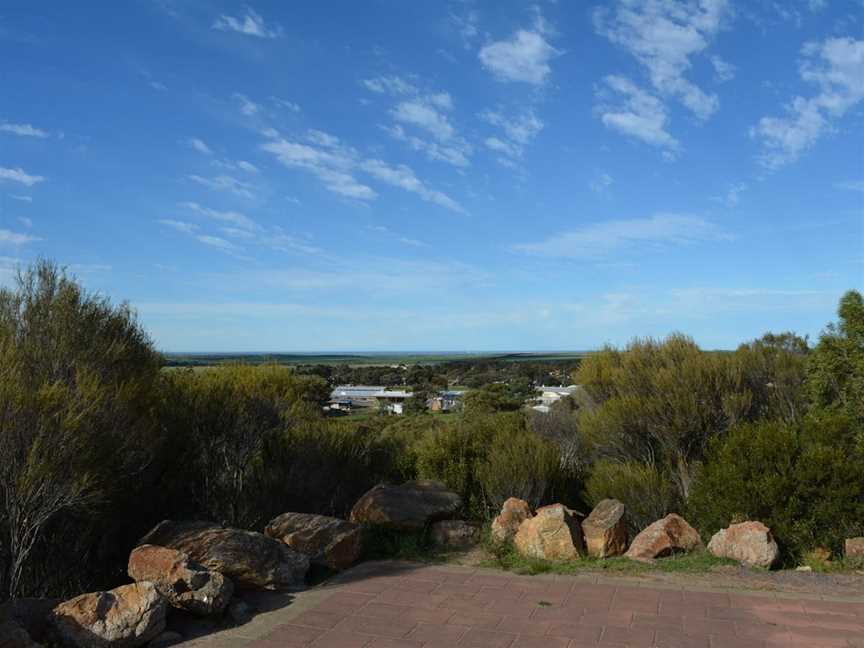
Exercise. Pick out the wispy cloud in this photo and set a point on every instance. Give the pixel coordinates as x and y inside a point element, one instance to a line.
<point>636,113</point>
<point>733,194</point>
<point>19,175</point>
<point>225,183</point>
<point>284,103</point>
<point>836,66</point>
<point>235,218</point>
<point>524,57</point>
<point>180,226</point>
<point>394,85</point>
<point>247,106</point>
<point>663,36</point>
<point>518,130</point>
<point>599,240</point>
<point>851,185</point>
<point>21,198</point>
<point>15,238</point>
<point>723,70</point>
<point>199,145</point>
<point>403,177</point>
<point>22,130</point>
<point>250,24</point>
<point>601,183</point>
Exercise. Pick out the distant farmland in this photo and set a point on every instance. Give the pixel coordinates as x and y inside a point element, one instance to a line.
<point>362,359</point>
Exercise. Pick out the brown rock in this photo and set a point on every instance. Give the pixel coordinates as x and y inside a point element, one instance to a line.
<point>249,559</point>
<point>187,585</point>
<point>664,537</point>
<point>328,541</point>
<point>605,529</point>
<point>455,533</point>
<point>552,534</point>
<point>13,635</point>
<point>411,506</point>
<point>854,548</point>
<point>124,617</point>
<point>750,543</point>
<point>514,512</point>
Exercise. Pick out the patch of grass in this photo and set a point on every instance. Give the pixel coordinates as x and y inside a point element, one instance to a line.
<point>383,543</point>
<point>836,566</point>
<point>505,557</point>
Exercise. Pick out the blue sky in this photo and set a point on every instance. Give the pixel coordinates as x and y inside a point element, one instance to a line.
<point>390,175</point>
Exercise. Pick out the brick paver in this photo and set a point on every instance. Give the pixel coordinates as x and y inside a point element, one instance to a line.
<point>395,605</point>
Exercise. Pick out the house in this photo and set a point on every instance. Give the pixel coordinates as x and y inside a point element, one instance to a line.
<point>445,401</point>
<point>548,396</point>
<point>346,398</point>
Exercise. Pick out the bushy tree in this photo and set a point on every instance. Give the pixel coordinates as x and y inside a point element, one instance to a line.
<point>489,399</point>
<point>77,426</point>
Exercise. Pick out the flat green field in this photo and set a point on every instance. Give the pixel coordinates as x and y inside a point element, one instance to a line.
<point>360,359</point>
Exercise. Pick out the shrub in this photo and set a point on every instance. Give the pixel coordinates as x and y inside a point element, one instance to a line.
<point>647,492</point>
<point>805,481</point>
<point>77,427</point>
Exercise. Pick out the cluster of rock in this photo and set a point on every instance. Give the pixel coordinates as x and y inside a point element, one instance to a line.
<point>554,533</point>
<point>198,567</point>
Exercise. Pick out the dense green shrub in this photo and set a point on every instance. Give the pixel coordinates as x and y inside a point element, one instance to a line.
<point>78,432</point>
<point>487,459</point>
<point>805,481</point>
<point>647,493</point>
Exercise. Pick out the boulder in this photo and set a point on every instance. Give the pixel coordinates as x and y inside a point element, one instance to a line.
<point>33,615</point>
<point>605,529</point>
<point>664,537</point>
<point>250,559</point>
<point>552,534</point>
<point>514,512</point>
<point>13,635</point>
<point>187,585</point>
<point>328,541</point>
<point>455,533</point>
<point>125,617</point>
<point>750,543</point>
<point>411,506</point>
<point>854,548</point>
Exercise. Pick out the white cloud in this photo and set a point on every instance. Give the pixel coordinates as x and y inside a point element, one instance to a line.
<point>599,240</point>
<point>393,85</point>
<point>233,217</point>
<point>284,103</point>
<point>180,226</point>
<point>21,198</point>
<point>199,145</point>
<point>215,241</point>
<point>851,185</point>
<point>225,183</point>
<point>250,24</point>
<point>247,106</point>
<point>733,194</point>
<point>403,177</point>
<point>26,222</point>
<point>15,238</point>
<point>23,130</point>
<point>519,130</point>
<point>723,70</point>
<point>457,155</point>
<point>663,35</point>
<point>641,115</point>
<point>424,115</point>
<point>601,183</point>
<point>836,66</point>
<point>466,26</point>
<point>247,166</point>
<point>323,139</point>
<point>19,175</point>
<point>523,58</point>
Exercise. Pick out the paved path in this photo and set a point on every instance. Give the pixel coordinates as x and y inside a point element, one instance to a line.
<point>393,605</point>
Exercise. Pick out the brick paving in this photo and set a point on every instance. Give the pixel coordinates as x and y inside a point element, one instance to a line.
<point>391,605</point>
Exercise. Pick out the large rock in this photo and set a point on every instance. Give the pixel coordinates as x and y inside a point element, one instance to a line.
<point>186,585</point>
<point>664,537</point>
<point>328,541</point>
<point>411,506</point>
<point>854,548</point>
<point>249,559</point>
<point>514,512</point>
<point>13,635</point>
<point>552,534</point>
<point>455,533</point>
<point>124,617</point>
<point>33,615</point>
<point>605,529</point>
<point>750,543</point>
